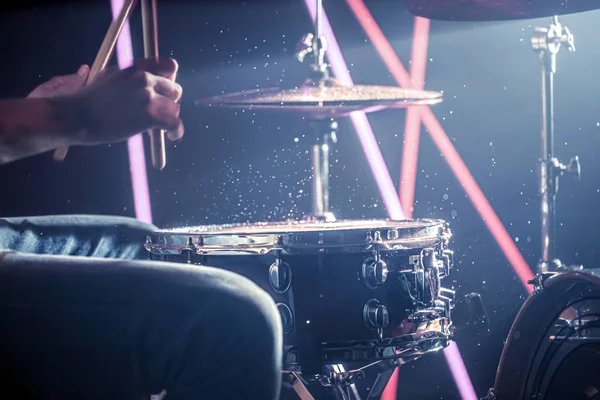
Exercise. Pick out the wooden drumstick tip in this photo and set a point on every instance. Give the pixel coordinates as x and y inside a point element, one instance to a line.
<point>157,149</point>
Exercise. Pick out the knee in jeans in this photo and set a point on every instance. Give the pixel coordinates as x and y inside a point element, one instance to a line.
<point>255,307</point>
<point>262,307</point>
<point>135,226</point>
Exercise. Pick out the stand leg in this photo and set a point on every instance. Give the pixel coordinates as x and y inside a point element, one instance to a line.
<point>547,42</point>
<point>300,389</point>
<point>548,178</point>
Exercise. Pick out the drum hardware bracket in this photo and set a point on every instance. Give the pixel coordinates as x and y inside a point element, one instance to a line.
<point>547,41</point>
<point>539,279</point>
<point>447,262</point>
<point>299,387</point>
<point>344,382</point>
<point>189,249</point>
<point>376,316</point>
<point>148,246</point>
<point>490,395</point>
<point>316,45</point>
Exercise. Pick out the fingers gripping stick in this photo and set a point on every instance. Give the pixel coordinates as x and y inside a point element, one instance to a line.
<point>105,53</point>
<point>149,26</point>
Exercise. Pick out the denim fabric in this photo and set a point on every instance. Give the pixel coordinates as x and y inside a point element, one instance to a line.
<point>76,235</point>
<point>82,317</point>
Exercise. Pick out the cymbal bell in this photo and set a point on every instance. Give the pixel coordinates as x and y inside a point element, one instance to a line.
<point>497,10</point>
<point>325,98</point>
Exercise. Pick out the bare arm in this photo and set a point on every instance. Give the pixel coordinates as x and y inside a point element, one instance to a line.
<point>33,126</point>
<point>117,105</point>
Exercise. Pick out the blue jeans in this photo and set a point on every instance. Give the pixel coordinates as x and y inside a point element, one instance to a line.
<point>82,316</point>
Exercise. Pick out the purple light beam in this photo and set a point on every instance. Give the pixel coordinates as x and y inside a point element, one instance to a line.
<point>135,144</point>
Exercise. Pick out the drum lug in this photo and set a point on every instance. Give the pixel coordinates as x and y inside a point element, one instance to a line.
<point>448,293</point>
<point>448,296</point>
<point>280,276</point>
<point>444,304</point>
<point>374,272</point>
<point>188,250</point>
<point>393,234</point>
<point>376,316</point>
<point>148,246</point>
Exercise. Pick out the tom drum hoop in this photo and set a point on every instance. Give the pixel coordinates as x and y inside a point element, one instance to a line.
<point>349,291</point>
<point>553,348</point>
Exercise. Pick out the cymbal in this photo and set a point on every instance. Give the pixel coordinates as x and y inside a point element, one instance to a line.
<point>497,10</point>
<point>326,98</point>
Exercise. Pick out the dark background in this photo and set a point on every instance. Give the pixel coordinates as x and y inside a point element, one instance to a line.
<point>246,166</point>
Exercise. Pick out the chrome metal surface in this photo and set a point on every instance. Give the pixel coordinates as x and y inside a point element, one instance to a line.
<point>324,98</point>
<point>375,315</point>
<point>287,318</point>
<point>295,237</point>
<point>280,276</point>
<point>374,273</point>
<point>497,10</point>
<point>547,42</point>
<point>327,132</point>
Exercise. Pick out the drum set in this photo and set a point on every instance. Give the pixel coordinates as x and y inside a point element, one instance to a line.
<point>359,298</point>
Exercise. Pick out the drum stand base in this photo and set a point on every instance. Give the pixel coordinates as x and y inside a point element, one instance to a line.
<point>344,385</point>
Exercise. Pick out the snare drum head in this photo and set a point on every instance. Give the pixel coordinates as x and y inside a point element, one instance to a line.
<point>553,349</point>
<point>300,236</point>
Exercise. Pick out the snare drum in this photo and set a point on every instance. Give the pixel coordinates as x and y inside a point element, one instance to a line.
<point>347,291</point>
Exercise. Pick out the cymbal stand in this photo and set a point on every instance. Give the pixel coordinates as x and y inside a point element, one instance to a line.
<point>321,170</point>
<point>547,42</point>
<point>316,45</point>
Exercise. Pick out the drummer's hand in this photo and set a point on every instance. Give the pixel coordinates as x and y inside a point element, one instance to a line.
<point>121,103</point>
<point>63,85</point>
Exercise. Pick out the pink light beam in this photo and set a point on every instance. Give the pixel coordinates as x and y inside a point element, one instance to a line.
<point>440,138</point>
<point>412,131</point>
<point>420,42</point>
<point>410,154</point>
<point>135,145</point>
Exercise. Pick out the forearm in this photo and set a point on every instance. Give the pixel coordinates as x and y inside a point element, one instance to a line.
<point>34,126</point>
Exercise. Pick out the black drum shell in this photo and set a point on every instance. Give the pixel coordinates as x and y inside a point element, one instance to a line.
<point>527,354</point>
<point>337,302</point>
<point>327,294</point>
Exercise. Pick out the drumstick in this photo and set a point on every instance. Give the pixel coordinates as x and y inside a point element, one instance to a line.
<point>150,31</point>
<point>104,55</point>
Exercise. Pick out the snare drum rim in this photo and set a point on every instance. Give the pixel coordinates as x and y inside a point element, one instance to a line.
<point>536,316</point>
<point>298,237</point>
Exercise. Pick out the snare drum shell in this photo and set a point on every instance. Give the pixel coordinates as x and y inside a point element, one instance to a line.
<point>328,297</point>
<point>327,294</point>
